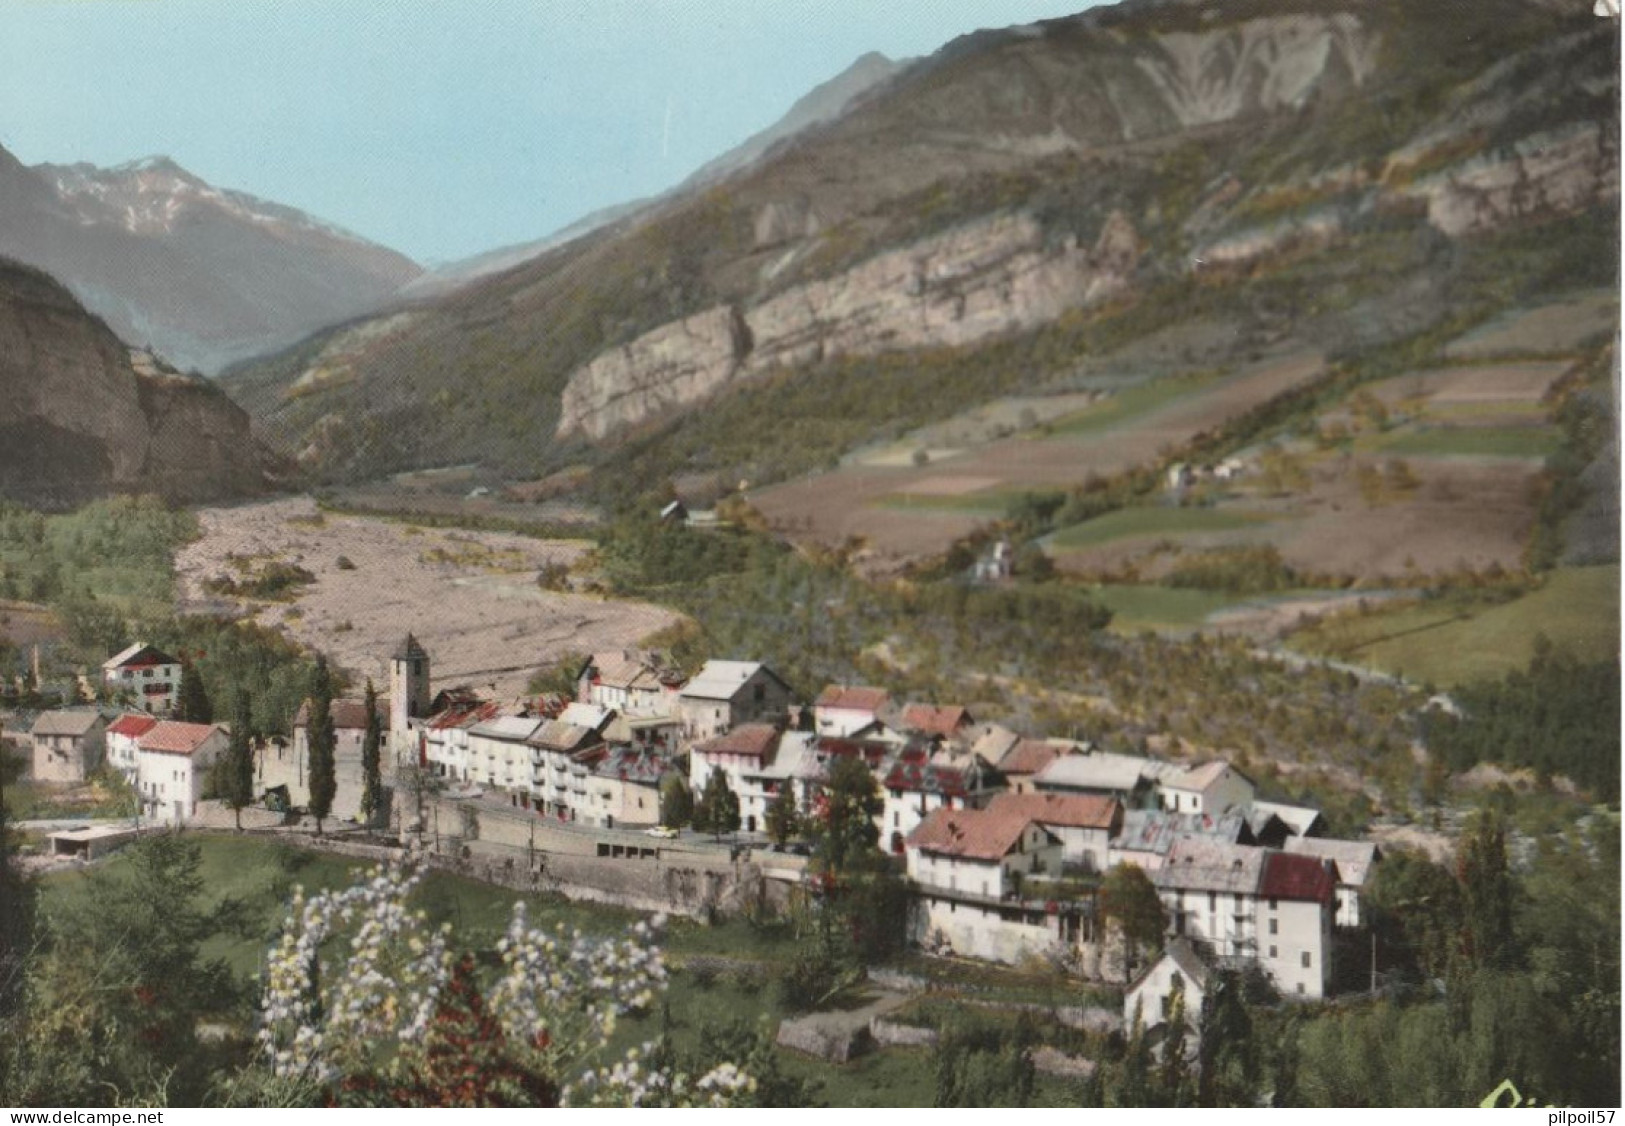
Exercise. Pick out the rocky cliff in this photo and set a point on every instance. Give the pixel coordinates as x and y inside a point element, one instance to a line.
<point>1240,159</point>
<point>81,417</point>
<point>986,278</point>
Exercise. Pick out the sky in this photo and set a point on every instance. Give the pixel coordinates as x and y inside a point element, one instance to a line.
<point>440,128</point>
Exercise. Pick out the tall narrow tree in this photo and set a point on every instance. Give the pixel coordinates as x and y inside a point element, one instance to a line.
<point>237,773</point>
<point>372,783</point>
<point>192,700</point>
<point>718,808</point>
<point>321,739</point>
<point>783,819</point>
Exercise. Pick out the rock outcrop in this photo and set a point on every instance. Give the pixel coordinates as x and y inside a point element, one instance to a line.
<point>79,420</point>
<point>986,278</point>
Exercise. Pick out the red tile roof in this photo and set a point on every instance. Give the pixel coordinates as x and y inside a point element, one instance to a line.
<point>934,720</point>
<point>1289,876</point>
<point>756,740</point>
<point>1075,811</point>
<point>1029,756</point>
<point>855,699</point>
<point>976,834</point>
<point>171,736</point>
<point>132,726</point>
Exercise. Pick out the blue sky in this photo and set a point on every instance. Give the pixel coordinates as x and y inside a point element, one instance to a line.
<point>440,127</point>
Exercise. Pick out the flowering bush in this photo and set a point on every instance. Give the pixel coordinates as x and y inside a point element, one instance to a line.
<point>367,1003</point>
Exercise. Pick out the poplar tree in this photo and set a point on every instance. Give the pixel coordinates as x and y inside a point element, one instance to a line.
<point>320,736</point>
<point>237,777</point>
<point>372,785</point>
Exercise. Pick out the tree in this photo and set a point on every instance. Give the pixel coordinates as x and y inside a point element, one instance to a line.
<point>1128,897</point>
<point>676,802</point>
<point>844,824</point>
<point>236,778</point>
<point>322,740</point>
<point>1229,1067</point>
<point>980,1063</point>
<point>1487,891</point>
<point>718,808</point>
<point>372,785</point>
<point>192,700</point>
<point>17,907</point>
<point>783,819</point>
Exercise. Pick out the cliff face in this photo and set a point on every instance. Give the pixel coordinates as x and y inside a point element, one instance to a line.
<point>1014,179</point>
<point>978,281</point>
<point>78,420</point>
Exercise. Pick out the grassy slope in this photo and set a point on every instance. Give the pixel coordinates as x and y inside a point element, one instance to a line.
<point>1449,643</point>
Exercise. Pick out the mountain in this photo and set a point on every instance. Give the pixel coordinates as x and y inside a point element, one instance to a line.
<point>202,275</point>
<point>824,103</point>
<point>83,415</point>
<point>1009,215</point>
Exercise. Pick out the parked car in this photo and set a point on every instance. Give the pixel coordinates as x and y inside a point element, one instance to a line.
<point>664,831</point>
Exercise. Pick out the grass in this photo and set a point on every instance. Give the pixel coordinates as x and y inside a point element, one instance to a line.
<point>1138,608</point>
<point>1151,521</point>
<point>1449,642</point>
<point>1126,405</point>
<point>1473,441</point>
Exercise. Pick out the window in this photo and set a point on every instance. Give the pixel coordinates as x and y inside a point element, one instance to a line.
<point>1213,902</point>
<point>1274,953</point>
<point>1306,959</point>
<point>1300,987</point>
<point>1274,903</point>
<point>1275,926</point>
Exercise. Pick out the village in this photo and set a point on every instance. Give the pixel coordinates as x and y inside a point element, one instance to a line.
<point>1004,838</point>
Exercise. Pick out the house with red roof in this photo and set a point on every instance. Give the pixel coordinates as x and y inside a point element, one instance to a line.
<point>173,760</point>
<point>968,867</point>
<point>147,676</point>
<point>123,737</point>
<point>938,722</point>
<point>1084,823</point>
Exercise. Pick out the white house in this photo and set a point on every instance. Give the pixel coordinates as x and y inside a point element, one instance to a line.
<point>1083,823</point>
<point>172,768</point>
<point>1247,902</point>
<point>629,683</point>
<point>842,710</point>
<point>1149,999</point>
<point>68,745</point>
<point>968,866</point>
<point>919,783</point>
<point>499,754</point>
<point>123,739</point>
<point>728,693</point>
<point>740,754</point>
<point>623,790</point>
<point>562,754</point>
<point>445,735</point>
<point>1213,788</point>
<point>149,676</point>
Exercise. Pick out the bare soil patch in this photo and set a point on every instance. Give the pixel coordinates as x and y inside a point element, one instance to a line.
<point>1559,327</point>
<point>470,597</point>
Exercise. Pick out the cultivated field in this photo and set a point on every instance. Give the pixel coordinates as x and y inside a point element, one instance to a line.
<point>878,500</point>
<point>470,597</point>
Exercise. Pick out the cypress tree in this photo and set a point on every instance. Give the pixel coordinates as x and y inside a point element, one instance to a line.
<point>320,735</point>
<point>192,701</point>
<point>237,777</point>
<point>372,785</point>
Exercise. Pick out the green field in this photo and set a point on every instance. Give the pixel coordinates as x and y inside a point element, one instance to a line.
<point>991,502</point>
<point>1136,609</point>
<point>1448,642</point>
<point>1126,405</point>
<point>1151,521</point>
<point>1472,441</point>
